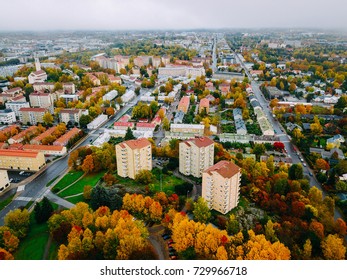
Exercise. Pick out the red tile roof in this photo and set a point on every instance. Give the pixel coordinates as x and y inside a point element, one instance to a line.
<point>126,124</point>
<point>42,148</point>
<point>226,169</point>
<point>137,144</point>
<point>204,102</point>
<point>200,141</point>
<point>39,110</point>
<point>145,125</point>
<point>15,153</point>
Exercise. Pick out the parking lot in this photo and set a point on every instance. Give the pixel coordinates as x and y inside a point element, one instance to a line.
<point>17,176</point>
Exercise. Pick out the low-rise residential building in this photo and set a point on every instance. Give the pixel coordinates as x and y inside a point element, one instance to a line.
<point>42,100</point>
<point>31,115</point>
<point>127,96</point>
<point>145,126</point>
<point>38,139</point>
<point>69,98</point>
<point>336,140</point>
<point>197,129</point>
<point>47,150</point>
<point>18,138</point>
<point>123,125</point>
<point>97,122</point>
<point>184,104</point>
<point>195,155</point>
<point>64,140</point>
<point>7,116</point>
<point>4,181</point>
<point>204,105</point>
<point>16,106</point>
<point>110,95</point>
<point>37,77</point>
<point>21,160</point>
<point>133,156</point>
<point>221,186</point>
<point>70,115</point>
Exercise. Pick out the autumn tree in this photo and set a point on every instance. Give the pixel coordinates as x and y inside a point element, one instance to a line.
<point>322,164</point>
<point>5,255</point>
<point>47,118</point>
<point>18,221</point>
<point>333,248</point>
<point>258,248</point>
<point>166,124</point>
<point>87,191</point>
<point>110,111</point>
<point>144,177</point>
<point>8,240</point>
<point>201,211</point>
<point>295,172</point>
<point>88,164</point>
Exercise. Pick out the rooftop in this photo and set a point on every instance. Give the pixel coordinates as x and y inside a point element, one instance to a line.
<point>18,153</point>
<point>226,169</point>
<point>200,141</point>
<point>137,144</point>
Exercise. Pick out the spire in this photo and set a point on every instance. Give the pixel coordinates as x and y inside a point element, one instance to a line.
<point>37,64</point>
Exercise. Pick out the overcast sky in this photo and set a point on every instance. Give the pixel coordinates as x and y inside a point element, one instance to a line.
<point>170,14</point>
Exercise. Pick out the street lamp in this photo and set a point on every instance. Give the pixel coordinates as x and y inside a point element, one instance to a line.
<point>187,193</point>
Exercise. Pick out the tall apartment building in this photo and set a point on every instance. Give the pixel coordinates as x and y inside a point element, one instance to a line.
<point>221,186</point>
<point>16,106</point>
<point>133,156</point>
<point>21,160</point>
<point>195,156</point>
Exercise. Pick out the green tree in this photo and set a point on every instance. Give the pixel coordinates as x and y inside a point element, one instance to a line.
<point>129,135</point>
<point>99,197</point>
<point>295,172</point>
<point>84,120</point>
<point>201,211</point>
<point>43,210</point>
<point>232,225</point>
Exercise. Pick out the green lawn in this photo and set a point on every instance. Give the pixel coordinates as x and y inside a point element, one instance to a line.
<point>68,179</point>
<point>168,182</point>
<point>78,187</point>
<point>32,247</point>
<point>53,251</point>
<point>4,203</point>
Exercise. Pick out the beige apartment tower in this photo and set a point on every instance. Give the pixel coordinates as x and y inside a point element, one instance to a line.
<point>221,186</point>
<point>133,156</point>
<point>195,155</point>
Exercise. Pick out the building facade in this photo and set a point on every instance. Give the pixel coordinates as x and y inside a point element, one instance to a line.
<point>221,186</point>
<point>195,155</point>
<point>21,160</point>
<point>133,156</point>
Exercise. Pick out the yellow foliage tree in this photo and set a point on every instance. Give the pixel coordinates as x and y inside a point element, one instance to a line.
<point>333,247</point>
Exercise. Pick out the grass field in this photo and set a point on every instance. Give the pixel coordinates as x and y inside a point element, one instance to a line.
<point>68,179</point>
<point>4,203</point>
<point>32,247</point>
<point>168,182</point>
<point>90,179</point>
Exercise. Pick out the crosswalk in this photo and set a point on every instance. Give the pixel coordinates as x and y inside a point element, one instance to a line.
<point>23,198</point>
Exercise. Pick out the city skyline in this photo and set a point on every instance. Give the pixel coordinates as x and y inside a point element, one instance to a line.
<point>38,15</point>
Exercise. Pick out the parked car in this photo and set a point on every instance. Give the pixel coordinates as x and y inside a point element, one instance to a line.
<point>310,173</point>
<point>304,164</point>
<point>167,237</point>
<point>174,257</point>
